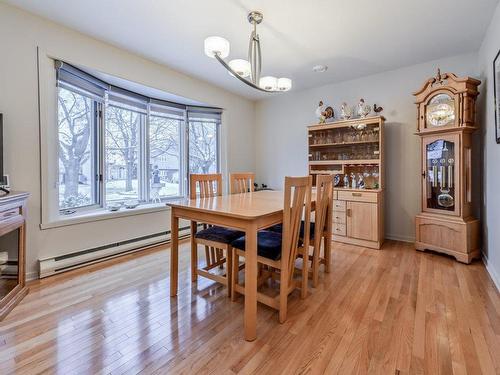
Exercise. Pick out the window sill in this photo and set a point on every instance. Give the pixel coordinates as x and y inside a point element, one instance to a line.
<point>103,214</point>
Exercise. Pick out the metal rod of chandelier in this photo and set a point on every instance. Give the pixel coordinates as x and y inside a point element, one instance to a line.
<point>218,48</point>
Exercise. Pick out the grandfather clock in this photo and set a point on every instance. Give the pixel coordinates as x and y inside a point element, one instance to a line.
<point>446,120</point>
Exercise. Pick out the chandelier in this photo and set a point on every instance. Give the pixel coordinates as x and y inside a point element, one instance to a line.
<point>247,71</point>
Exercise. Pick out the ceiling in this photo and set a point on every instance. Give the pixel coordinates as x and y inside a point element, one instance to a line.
<point>354,38</point>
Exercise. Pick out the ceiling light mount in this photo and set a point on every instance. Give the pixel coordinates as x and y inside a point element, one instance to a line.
<point>218,48</point>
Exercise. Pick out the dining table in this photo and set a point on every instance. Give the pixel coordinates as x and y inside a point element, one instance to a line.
<point>247,212</point>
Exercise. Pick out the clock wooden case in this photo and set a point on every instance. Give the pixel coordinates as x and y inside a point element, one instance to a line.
<point>446,120</point>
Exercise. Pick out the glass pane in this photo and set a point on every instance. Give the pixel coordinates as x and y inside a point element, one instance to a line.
<point>122,139</point>
<point>164,156</point>
<point>441,110</point>
<point>77,181</point>
<point>441,175</point>
<point>9,262</point>
<point>202,146</point>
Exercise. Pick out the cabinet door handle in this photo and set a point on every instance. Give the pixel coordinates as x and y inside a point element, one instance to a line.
<point>348,212</point>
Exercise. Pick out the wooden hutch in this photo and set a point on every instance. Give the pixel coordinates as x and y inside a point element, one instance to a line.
<point>352,150</point>
<point>445,122</point>
<point>12,250</point>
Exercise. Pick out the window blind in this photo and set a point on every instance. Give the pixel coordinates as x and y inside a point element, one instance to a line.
<point>67,74</point>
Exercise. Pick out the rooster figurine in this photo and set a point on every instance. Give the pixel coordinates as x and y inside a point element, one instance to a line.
<point>377,109</point>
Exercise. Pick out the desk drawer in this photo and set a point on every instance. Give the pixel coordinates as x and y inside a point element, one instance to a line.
<point>358,196</point>
<point>339,229</point>
<point>338,206</point>
<point>5,215</point>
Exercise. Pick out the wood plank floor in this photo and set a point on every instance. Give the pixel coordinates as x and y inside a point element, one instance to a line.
<point>394,311</point>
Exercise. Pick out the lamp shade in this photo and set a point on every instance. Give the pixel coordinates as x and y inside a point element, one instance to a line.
<point>269,83</point>
<point>216,45</point>
<point>240,66</point>
<point>284,84</point>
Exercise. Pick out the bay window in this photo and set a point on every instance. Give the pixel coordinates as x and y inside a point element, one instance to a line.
<point>116,145</point>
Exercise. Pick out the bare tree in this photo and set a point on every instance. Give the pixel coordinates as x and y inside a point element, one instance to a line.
<point>163,136</point>
<point>74,119</point>
<point>122,136</point>
<point>202,146</point>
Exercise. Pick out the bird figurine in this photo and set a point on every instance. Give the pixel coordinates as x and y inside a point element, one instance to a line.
<point>319,112</point>
<point>363,109</point>
<point>345,111</point>
<point>377,109</point>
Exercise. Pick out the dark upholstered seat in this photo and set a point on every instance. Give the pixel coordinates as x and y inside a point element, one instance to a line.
<point>219,234</point>
<point>268,244</point>
<point>278,228</point>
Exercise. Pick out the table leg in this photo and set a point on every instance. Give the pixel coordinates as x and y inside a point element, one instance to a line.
<point>251,283</point>
<point>194,252</point>
<point>174,254</point>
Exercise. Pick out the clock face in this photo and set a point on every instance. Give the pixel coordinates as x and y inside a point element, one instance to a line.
<point>441,111</point>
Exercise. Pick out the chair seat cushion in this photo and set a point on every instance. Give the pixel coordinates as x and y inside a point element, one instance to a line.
<point>268,244</point>
<point>219,234</point>
<point>278,228</point>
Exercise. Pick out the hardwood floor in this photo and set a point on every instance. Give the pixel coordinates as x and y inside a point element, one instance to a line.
<point>393,311</point>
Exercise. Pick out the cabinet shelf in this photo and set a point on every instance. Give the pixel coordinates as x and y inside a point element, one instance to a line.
<point>342,144</point>
<point>345,162</point>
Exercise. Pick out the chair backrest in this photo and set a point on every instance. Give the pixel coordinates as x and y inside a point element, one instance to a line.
<point>205,185</point>
<point>297,204</point>
<point>323,207</point>
<point>241,182</point>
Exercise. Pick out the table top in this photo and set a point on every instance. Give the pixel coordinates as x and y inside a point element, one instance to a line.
<point>244,206</point>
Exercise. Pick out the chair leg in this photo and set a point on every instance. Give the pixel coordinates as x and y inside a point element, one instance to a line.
<point>305,273</point>
<point>207,256</point>
<point>328,254</point>
<point>229,270</point>
<point>234,273</point>
<point>220,255</point>
<point>194,256</point>
<point>283,295</point>
<point>315,263</point>
<point>213,259</point>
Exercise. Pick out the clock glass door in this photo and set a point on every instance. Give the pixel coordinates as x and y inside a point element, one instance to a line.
<point>440,184</point>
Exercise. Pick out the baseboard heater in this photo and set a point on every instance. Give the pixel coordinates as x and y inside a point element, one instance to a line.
<point>67,262</point>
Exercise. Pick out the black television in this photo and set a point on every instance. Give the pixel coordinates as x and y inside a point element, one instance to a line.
<point>2,177</point>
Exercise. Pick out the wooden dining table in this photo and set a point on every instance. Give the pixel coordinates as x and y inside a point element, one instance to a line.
<point>248,212</point>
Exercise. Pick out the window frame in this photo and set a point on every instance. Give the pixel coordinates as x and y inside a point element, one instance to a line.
<point>99,107</point>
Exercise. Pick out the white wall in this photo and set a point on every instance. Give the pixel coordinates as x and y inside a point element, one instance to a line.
<point>491,155</point>
<point>20,34</point>
<point>282,120</point>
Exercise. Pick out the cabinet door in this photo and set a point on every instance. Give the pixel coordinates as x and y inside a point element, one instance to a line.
<point>362,221</point>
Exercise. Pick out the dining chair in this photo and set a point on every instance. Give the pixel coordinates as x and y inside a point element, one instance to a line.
<point>216,240</point>
<point>279,251</point>
<point>241,182</point>
<point>318,228</point>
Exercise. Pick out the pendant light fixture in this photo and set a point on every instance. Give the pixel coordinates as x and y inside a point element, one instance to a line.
<point>247,71</point>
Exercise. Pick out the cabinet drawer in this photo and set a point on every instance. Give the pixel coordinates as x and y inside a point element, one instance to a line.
<point>339,217</point>
<point>358,196</point>
<point>339,229</point>
<point>4,215</point>
<point>335,194</point>
<point>338,206</point>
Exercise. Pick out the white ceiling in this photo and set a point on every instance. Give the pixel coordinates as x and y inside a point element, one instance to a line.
<point>353,37</point>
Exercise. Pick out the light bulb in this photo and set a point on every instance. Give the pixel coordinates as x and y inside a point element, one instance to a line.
<point>284,84</point>
<point>269,83</point>
<point>216,45</point>
<point>241,67</point>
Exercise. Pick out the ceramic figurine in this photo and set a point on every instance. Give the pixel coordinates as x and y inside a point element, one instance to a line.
<point>346,181</point>
<point>377,109</point>
<point>353,181</point>
<point>363,109</point>
<point>361,182</point>
<point>345,111</point>
<point>328,114</point>
<point>319,112</point>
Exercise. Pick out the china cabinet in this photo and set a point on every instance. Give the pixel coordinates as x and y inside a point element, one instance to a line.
<point>446,120</point>
<point>352,152</point>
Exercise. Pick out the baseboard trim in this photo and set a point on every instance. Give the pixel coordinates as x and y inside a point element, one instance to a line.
<point>396,237</point>
<point>491,271</point>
